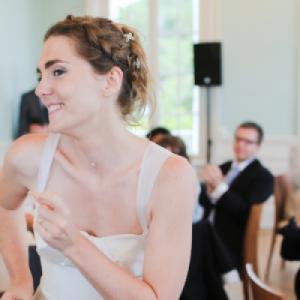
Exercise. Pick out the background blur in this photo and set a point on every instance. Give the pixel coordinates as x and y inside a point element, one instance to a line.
<point>261,65</point>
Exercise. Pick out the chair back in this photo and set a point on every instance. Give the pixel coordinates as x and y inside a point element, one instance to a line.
<point>251,237</point>
<point>283,189</point>
<point>259,290</point>
<point>250,254</point>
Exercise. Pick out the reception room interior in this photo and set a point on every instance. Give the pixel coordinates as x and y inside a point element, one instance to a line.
<point>215,64</point>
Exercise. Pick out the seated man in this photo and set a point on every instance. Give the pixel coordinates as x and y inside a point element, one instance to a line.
<point>231,189</point>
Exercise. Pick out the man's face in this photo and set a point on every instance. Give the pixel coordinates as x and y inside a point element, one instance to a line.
<point>245,143</point>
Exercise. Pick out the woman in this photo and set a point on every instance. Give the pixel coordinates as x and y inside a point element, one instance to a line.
<point>114,210</point>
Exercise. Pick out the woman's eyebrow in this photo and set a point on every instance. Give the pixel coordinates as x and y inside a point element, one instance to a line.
<point>49,63</point>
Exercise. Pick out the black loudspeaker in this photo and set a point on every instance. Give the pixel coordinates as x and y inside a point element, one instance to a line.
<point>208,64</point>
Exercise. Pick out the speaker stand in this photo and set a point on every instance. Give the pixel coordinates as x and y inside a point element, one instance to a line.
<point>208,124</point>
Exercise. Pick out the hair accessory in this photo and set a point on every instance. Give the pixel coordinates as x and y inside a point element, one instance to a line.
<point>137,63</point>
<point>128,37</point>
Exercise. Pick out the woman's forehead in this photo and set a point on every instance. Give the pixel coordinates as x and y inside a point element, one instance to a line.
<point>58,48</point>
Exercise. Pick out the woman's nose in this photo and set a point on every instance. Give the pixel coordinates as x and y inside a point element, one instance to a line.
<point>43,88</point>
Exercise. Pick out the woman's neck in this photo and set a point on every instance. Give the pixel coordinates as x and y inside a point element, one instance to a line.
<point>105,146</point>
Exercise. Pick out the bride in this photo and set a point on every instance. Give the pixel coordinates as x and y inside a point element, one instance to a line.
<point>114,211</point>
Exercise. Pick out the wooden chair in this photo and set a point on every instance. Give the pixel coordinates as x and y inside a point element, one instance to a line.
<point>259,290</point>
<point>251,244</point>
<point>283,188</point>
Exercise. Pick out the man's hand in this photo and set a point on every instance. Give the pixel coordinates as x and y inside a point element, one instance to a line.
<point>212,175</point>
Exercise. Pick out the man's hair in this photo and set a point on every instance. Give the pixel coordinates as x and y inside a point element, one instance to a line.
<point>255,126</point>
<point>157,130</point>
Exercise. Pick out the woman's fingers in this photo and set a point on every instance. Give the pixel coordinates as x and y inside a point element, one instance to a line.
<point>52,201</point>
<point>50,231</point>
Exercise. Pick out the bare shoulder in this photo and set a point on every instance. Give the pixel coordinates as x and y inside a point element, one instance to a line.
<point>24,155</point>
<point>177,170</point>
<point>176,185</point>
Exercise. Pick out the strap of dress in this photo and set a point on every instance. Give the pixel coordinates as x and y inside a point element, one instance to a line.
<point>46,161</point>
<point>154,158</point>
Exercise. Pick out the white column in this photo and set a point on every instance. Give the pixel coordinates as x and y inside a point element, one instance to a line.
<point>209,31</point>
<point>153,55</point>
<point>97,8</point>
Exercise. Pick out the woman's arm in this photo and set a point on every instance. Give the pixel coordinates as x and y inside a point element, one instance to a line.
<point>13,245</point>
<point>13,248</point>
<point>168,243</point>
<point>12,174</point>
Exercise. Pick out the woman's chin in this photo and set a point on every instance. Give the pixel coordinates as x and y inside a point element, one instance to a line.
<point>55,128</point>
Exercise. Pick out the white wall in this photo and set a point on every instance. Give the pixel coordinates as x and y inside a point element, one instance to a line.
<point>22,26</point>
<point>259,56</point>
<point>17,31</point>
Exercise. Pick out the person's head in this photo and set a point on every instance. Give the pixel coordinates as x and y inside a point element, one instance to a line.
<point>175,144</point>
<point>37,125</point>
<point>89,65</point>
<point>247,140</point>
<point>157,133</point>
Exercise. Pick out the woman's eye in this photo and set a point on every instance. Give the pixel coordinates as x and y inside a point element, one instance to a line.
<point>58,72</point>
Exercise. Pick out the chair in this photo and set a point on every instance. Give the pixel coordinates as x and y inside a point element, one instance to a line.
<point>251,243</point>
<point>259,290</point>
<point>283,188</point>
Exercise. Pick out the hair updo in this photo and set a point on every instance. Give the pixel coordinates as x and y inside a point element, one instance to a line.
<point>105,44</point>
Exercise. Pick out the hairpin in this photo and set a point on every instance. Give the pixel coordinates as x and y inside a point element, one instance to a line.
<point>137,63</point>
<point>128,37</point>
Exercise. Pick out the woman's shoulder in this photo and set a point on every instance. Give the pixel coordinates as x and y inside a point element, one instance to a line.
<point>175,191</point>
<point>177,167</point>
<point>24,154</point>
<point>176,177</point>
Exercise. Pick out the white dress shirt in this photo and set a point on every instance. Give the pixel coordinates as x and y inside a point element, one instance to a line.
<point>223,187</point>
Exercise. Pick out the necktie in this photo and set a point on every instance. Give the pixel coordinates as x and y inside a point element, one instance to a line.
<point>232,174</point>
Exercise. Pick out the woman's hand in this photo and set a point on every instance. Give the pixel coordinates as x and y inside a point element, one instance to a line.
<point>54,222</point>
<point>19,291</point>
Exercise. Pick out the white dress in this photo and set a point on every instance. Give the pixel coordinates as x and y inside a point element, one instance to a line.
<point>61,280</point>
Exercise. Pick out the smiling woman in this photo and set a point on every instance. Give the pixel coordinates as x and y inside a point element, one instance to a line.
<point>112,208</point>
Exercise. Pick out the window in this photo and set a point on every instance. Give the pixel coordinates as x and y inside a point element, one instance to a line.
<point>177,99</point>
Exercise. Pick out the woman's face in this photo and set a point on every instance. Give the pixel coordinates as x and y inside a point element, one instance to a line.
<point>69,87</point>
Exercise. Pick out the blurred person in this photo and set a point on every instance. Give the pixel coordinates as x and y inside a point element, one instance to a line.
<point>229,190</point>
<point>174,144</point>
<point>156,133</point>
<point>290,246</point>
<point>31,109</point>
<point>112,207</point>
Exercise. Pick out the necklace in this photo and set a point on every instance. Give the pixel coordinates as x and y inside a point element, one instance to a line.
<point>93,164</point>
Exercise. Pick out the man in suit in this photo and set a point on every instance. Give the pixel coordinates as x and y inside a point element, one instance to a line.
<point>33,114</point>
<point>231,189</point>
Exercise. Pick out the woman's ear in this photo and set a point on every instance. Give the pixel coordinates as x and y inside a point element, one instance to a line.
<point>113,82</point>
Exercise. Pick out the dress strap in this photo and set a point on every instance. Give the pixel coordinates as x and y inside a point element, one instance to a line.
<point>46,161</point>
<point>154,158</point>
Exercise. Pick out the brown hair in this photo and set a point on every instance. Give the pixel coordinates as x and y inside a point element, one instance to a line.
<point>255,126</point>
<point>105,44</point>
<point>175,143</point>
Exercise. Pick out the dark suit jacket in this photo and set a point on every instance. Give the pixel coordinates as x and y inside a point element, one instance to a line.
<point>31,111</point>
<point>253,185</point>
<point>209,261</point>
<point>290,247</point>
